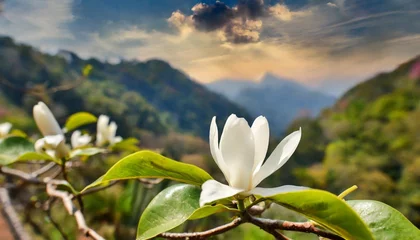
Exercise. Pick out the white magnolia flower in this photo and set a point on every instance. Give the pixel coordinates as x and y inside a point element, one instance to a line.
<point>49,145</point>
<point>106,131</point>
<point>5,129</point>
<point>79,140</point>
<point>53,135</point>
<point>240,156</point>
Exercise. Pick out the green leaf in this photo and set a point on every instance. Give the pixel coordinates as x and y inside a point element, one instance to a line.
<point>37,156</point>
<point>169,209</point>
<point>86,152</point>
<point>327,210</point>
<point>385,222</point>
<point>172,207</point>
<point>148,164</point>
<point>79,119</point>
<point>12,147</point>
<point>208,210</point>
<point>129,144</point>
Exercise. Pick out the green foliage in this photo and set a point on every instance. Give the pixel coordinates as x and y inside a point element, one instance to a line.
<point>147,164</point>
<point>138,95</point>
<point>385,222</point>
<point>369,138</point>
<point>30,156</point>
<point>13,147</point>
<point>79,119</point>
<point>327,210</point>
<point>86,152</point>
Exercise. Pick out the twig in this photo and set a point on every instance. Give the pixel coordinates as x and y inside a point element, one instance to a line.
<point>11,216</point>
<point>43,170</point>
<point>48,206</point>
<point>20,174</point>
<point>205,234</point>
<point>72,210</point>
<point>267,228</point>
<point>307,227</point>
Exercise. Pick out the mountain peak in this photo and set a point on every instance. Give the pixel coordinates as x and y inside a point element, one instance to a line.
<point>270,79</point>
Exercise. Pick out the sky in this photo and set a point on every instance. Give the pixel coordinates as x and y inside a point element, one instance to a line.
<point>329,45</point>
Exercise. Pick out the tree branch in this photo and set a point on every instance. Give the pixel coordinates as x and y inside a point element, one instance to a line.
<point>11,216</point>
<point>72,210</point>
<point>307,227</point>
<point>205,234</point>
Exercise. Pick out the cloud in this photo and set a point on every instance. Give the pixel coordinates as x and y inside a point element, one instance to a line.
<point>212,17</point>
<point>240,24</point>
<point>37,21</point>
<point>282,12</point>
<point>242,31</point>
<point>315,43</point>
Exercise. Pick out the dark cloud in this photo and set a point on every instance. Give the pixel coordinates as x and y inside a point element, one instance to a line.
<point>212,17</point>
<point>236,22</point>
<point>251,9</point>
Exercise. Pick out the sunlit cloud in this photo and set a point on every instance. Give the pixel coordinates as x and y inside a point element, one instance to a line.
<point>316,44</point>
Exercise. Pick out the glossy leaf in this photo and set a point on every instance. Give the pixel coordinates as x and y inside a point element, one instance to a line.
<point>327,210</point>
<point>79,119</point>
<point>86,152</point>
<point>208,210</point>
<point>385,222</point>
<point>172,207</point>
<point>37,156</point>
<point>12,147</point>
<point>148,164</point>
<point>169,209</point>
<point>129,144</point>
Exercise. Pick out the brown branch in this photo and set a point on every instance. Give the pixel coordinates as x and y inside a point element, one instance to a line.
<point>205,234</point>
<point>11,216</point>
<point>307,227</point>
<point>43,169</point>
<point>267,228</point>
<point>66,87</point>
<point>20,174</point>
<point>72,210</point>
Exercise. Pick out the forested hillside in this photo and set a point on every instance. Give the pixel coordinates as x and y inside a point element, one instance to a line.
<point>371,138</point>
<point>149,95</point>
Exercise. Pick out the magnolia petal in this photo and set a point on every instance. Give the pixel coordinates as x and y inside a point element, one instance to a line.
<point>112,130</point>
<point>102,130</point>
<point>279,157</point>
<point>39,145</point>
<point>237,147</point>
<point>215,150</point>
<point>74,139</point>
<point>5,128</point>
<point>261,132</point>
<point>45,120</point>
<point>213,190</point>
<point>79,140</point>
<point>54,140</point>
<point>267,192</point>
<point>117,139</point>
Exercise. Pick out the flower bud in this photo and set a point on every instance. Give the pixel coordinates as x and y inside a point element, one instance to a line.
<point>45,120</point>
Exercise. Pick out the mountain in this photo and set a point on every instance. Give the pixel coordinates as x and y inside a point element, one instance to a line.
<point>149,95</point>
<point>369,138</point>
<point>280,100</point>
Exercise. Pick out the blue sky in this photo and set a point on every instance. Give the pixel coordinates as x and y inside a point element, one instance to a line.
<point>329,44</point>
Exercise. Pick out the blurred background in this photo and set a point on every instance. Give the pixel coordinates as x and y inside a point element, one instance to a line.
<point>346,71</point>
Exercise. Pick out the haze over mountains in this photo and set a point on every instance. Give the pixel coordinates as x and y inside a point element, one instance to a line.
<point>280,100</point>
